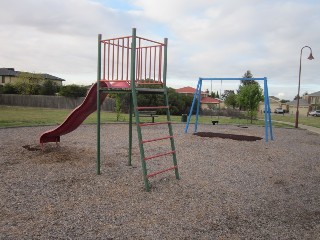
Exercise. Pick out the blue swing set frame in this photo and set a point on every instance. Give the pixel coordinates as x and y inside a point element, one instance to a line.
<point>267,115</point>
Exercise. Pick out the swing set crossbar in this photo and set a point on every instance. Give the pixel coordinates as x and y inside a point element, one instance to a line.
<point>197,95</point>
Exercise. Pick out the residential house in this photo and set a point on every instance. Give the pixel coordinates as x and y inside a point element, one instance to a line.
<point>206,101</point>
<point>304,107</point>
<point>313,100</point>
<point>190,91</point>
<point>274,103</point>
<point>211,103</point>
<point>9,75</point>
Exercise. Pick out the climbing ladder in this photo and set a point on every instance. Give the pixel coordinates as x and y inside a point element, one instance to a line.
<point>143,142</point>
<point>126,67</point>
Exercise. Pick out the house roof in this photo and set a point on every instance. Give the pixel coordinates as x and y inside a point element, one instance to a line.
<point>210,100</point>
<point>275,98</point>
<point>302,102</point>
<point>51,77</point>
<point>187,90</point>
<point>8,72</point>
<point>315,94</point>
<point>12,72</point>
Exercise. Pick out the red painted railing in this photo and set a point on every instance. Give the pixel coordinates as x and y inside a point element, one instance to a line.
<point>117,60</point>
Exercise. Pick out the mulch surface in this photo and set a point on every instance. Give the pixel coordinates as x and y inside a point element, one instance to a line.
<point>227,136</point>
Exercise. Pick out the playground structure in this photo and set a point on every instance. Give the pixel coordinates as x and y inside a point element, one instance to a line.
<point>75,118</point>
<point>197,95</point>
<point>124,65</point>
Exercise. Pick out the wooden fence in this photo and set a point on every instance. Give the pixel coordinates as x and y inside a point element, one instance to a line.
<point>49,101</point>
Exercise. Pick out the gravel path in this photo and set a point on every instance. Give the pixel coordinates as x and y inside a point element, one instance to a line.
<point>228,189</point>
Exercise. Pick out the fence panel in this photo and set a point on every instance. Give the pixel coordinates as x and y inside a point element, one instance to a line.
<point>49,101</point>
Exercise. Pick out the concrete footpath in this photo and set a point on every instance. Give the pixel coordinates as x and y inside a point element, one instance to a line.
<point>309,128</point>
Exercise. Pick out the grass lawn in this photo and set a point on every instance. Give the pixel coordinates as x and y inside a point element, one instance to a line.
<point>309,121</point>
<point>12,116</point>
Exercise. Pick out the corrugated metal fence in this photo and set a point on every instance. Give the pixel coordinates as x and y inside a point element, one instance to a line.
<point>49,101</point>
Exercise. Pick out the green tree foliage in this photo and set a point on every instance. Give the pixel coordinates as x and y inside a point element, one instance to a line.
<point>29,83</point>
<point>249,96</point>
<point>179,103</point>
<point>226,93</point>
<point>9,88</point>
<point>49,88</point>
<point>213,95</point>
<point>231,100</point>
<point>247,74</point>
<point>73,90</point>
<point>118,106</point>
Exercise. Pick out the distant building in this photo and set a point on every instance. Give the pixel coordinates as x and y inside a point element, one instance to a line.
<point>9,75</point>
<point>190,91</point>
<point>307,103</point>
<point>274,103</point>
<point>304,107</point>
<point>313,100</point>
<point>211,103</point>
<point>206,101</point>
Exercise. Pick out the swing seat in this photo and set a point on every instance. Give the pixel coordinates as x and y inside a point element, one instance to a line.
<point>215,122</point>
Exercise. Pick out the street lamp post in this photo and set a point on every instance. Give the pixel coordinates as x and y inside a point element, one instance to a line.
<point>298,96</point>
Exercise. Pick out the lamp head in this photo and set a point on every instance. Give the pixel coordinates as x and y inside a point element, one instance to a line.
<point>310,56</point>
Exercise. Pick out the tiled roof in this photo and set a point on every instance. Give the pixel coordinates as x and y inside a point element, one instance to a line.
<point>210,100</point>
<point>187,90</point>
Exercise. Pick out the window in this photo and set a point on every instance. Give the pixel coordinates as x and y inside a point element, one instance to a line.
<point>3,79</point>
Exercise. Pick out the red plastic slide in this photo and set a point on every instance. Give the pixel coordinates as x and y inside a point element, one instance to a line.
<point>76,117</point>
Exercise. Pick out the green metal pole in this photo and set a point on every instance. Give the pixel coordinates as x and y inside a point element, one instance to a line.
<point>98,104</point>
<point>165,54</point>
<point>135,103</point>
<point>130,131</point>
<point>168,112</point>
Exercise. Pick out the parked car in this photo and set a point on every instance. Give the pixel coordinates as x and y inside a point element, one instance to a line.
<point>279,110</point>
<point>315,113</point>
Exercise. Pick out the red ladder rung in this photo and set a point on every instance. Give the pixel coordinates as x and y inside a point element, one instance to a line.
<point>156,139</point>
<point>150,124</point>
<point>156,173</point>
<point>159,155</point>
<point>157,107</point>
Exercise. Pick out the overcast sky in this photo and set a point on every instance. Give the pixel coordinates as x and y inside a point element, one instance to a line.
<point>207,38</point>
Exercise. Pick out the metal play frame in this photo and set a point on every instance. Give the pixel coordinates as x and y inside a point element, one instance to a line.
<point>267,116</point>
<point>132,65</point>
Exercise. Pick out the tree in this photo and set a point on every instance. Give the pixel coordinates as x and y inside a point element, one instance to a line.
<point>249,96</point>
<point>231,100</point>
<point>213,95</point>
<point>118,106</point>
<point>29,83</point>
<point>73,90</point>
<point>9,88</point>
<point>247,74</point>
<point>49,88</point>
<point>226,94</point>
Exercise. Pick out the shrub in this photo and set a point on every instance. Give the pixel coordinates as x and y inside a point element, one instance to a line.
<point>9,89</point>
<point>73,90</point>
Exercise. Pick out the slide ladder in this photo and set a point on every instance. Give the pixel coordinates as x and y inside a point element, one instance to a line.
<point>143,143</point>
